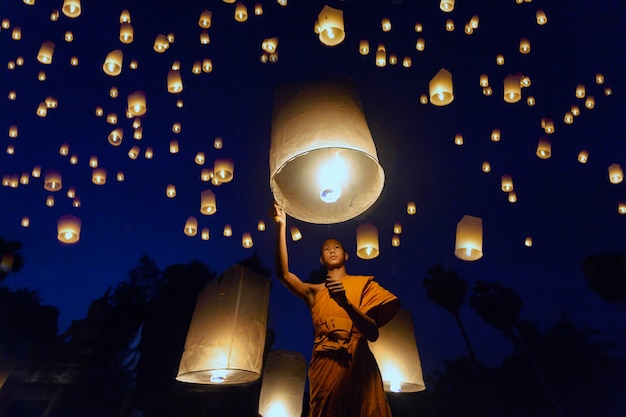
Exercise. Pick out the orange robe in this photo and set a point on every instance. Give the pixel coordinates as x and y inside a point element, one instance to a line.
<point>344,377</point>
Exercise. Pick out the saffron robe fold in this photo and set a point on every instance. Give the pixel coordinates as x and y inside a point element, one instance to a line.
<point>344,377</point>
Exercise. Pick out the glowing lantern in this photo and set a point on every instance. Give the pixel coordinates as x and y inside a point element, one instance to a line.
<point>6,265</point>
<point>119,176</point>
<point>68,229</point>
<point>367,241</point>
<point>125,16</point>
<point>599,78</point>
<point>207,202</point>
<point>568,118</point>
<point>207,65</point>
<point>217,143</point>
<point>99,176</point>
<point>16,33</point>
<point>449,25</point>
<point>616,174</point>
<point>113,63</point>
<point>364,47</point>
<point>420,44</point>
<point>446,5</point>
<point>393,59</point>
<point>506,183</point>
<point>205,234</point>
<point>487,91</point>
<point>13,132</point>
<point>71,192</point>
<point>320,136</point>
<point>608,91</point>
<point>46,51</point>
<point>411,208</point>
<point>93,161</point>
<point>116,136</point>
<point>206,174</point>
<point>174,82</point>
<point>180,103</point>
<point>524,46</point>
<point>52,180</point>
<point>499,59</point>
<point>205,19</point>
<point>12,95</point>
<point>6,24</point>
<point>580,91</point>
<point>590,102</point>
<point>495,135</point>
<point>544,148</point>
<point>127,33</point>
<point>541,17</point>
<point>512,88</point>
<point>486,167</point>
<point>525,81</point>
<point>484,80</point>
<point>74,61</point>
<point>468,29</point>
<point>330,26</point>
<point>295,233</point>
<point>170,191</point>
<point>512,197</point>
<point>440,88</point>
<point>474,22</point>
<point>64,149</point>
<point>260,226</point>
<point>71,8</point>
<point>418,27</point>
<point>177,127</point>
<point>458,139</point>
<point>137,103</point>
<point>174,146</point>
<point>395,241</point>
<point>528,242</point>
<point>246,240</point>
<point>469,238</point>
<point>113,92</point>
<point>199,159</point>
<point>138,133</point>
<point>270,45</point>
<point>149,153</point>
<point>530,101</point>
<point>25,221</point>
<point>228,230</point>
<point>223,170</point>
<point>241,13</point>
<point>583,156</point>
<point>133,152</point>
<point>226,337</point>
<point>24,178</point>
<point>161,44</point>
<point>397,228</point>
<point>406,62</point>
<point>191,226</point>
<point>621,207</point>
<point>282,387</point>
<point>258,9</point>
<point>76,202</point>
<point>385,24</point>
<point>36,173</point>
<point>50,201</point>
<point>381,56</point>
<point>205,39</point>
<point>397,356</point>
<point>69,36</point>
<point>548,125</point>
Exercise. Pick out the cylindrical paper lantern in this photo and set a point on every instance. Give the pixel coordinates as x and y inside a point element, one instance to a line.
<point>446,5</point>
<point>99,176</point>
<point>71,8</point>
<point>544,148</point>
<point>46,51</point>
<point>295,233</point>
<point>397,228</point>
<point>541,17</point>
<point>127,33</point>
<point>367,241</point>
<point>621,207</point>
<point>616,174</point>
<point>226,337</point>
<point>397,356</point>
<point>411,208</point>
<point>469,238</point>
<point>528,242</point>
<point>246,240</point>
<point>395,241</point>
<point>228,230</point>
<point>323,163</point>
<point>174,82</point>
<point>495,135</point>
<point>583,156</point>
<point>207,202</point>
<point>506,183</point>
<point>205,234</point>
<point>270,45</point>
<point>68,229</point>
<point>223,170</point>
<point>512,88</point>
<point>241,12</point>
<point>364,47</point>
<point>512,197</point>
<point>113,63</point>
<point>441,88</point>
<point>524,46</point>
<point>170,191</point>
<point>331,29</point>
<point>486,166</point>
<point>260,226</point>
<point>282,387</point>
<point>191,226</point>
<point>52,180</point>
<point>137,103</point>
<point>205,19</point>
<point>116,136</point>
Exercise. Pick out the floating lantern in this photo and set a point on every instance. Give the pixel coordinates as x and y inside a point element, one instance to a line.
<point>125,16</point>
<point>113,92</point>
<point>449,25</point>
<point>64,149</point>
<point>137,103</point>
<point>71,8</point>
<point>583,156</point>
<point>13,132</point>
<point>506,183</point>
<point>180,103</point>
<point>330,24</point>
<point>499,59</point>
<point>548,125</point>
<point>246,240</point>
<point>590,102</point>
<point>270,45</point>
<point>223,170</point>
<point>320,137</point>
<point>441,89</point>
<point>99,176</point>
<point>228,230</point>
<point>177,127</point>
<point>273,58</point>
<point>599,78</point>
<point>524,46</point>
<point>580,91</point>
<point>36,173</point>
<point>226,337</point>
<point>24,178</point>
<point>170,191</point>
<point>458,139</point>
<point>446,5</point>
<point>52,180</point>
<point>133,64</point>
<point>69,36</point>
<point>528,241</point>
<point>174,146</point>
<point>397,356</point>
<point>495,135</point>
<point>512,89</point>
<point>74,61</point>
<point>205,39</point>
<point>119,176</point>
<point>385,24</point>
<point>530,101</point>
<point>525,81</point>
<point>484,80</point>
<point>161,44</point>
<point>76,202</point>
<point>204,235</point>
<point>397,228</point>
<point>260,226</point>
<point>282,387</point>
<point>149,153</point>
<point>258,9</point>
<point>621,207</point>
<point>406,62</point>
<point>207,65</point>
<point>71,192</point>
<point>16,33</point>
<point>199,159</point>
<point>474,22</point>
<point>174,82</point>
<point>393,59</point>
<point>544,148</point>
<point>420,44</point>
<point>468,29</point>
<point>395,241</point>
<point>295,233</point>
<point>241,12</point>
<point>364,47</point>
<point>608,91</point>
<point>616,174</point>
<point>191,226</point>
<point>113,63</point>
<point>541,17</point>
<point>138,133</point>
<point>367,241</point>
<point>381,56</point>
<point>418,27</point>
<point>206,174</point>
<point>469,238</point>
<point>205,19</point>
<point>411,209</point>
<point>423,99</point>
<point>487,91</point>
<point>68,229</point>
<point>568,118</point>
<point>50,201</point>
<point>486,167</point>
<point>93,161</point>
<point>25,221</point>
<point>217,143</point>
<point>46,51</point>
<point>116,136</point>
<point>127,33</point>
<point>207,202</point>
<point>512,197</point>
<point>133,153</point>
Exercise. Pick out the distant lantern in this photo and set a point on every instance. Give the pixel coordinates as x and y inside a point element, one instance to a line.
<point>207,65</point>
<point>68,229</point>
<point>458,139</point>
<point>469,238</point>
<point>205,39</point>
<point>170,191</point>
<point>177,127</point>
<point>46,51</point>
<point>205,19</point>
<point>468,29</point>
<point>52,180</point>
<point>174,82</point>
<point>541,17</point>
<point>137,103</point>
<point>12,95</point>
<point>583,156</point>
<point>367,241</point>
<point>282,387</point>
<point>116,136</point>
<point>295,233</point>
<point>524,46</point>
<point>512,88</point>
<point>50,201</point>
<point>500,59</point>
<point>207,202</point>
<point>114,92</point>
<point>397,228</point>
<point>112,118</point>
<point>138,133</point>
<point>228,230</point>
<point>113,63</point>
<point>224,169</point>
<point>411,209</point>
<point>608,91</point>
<point>506,183</point>
<point>127,33</point>
<point>36,172</point>
<point>530,101</point>
<point>226,337</point>
<point>323,163</point>
<point>544,148</point>
<point>125,16</point>
<point>191,226</point>
<point>568,118</point>
<point>393,59</point>
<point>406,62</point>
<point>364,47</point>
<point>528,241</point>
<point>449,25</point>
<point>74,61</point>
<point>13,132</point>
<point>217,143</point>
<point>495,135</point>
<point>204,235</point>
<point>446,5</point>
<point>258,9</point>
<point>423,99</point>
<point>174,146</point>
<point>25,221</point>
<point>260,226</point>
<point>273,57</point>
<point>120,176</point>
<point>548,125</point>
<point>149,153</point>
<point>64,149</point>
<point>99,176</point>
<point>180,103</point>
<point>199,158</point>
<point>71,192</point>
<point>474,22</point>
<point>395,241</point>
<point>76,202</point>
<point>418,27</point>
<point>93,161</point>
<point>161,44</point>
<point>71,8</point>
<point>241,12</point>
<point>487,91</point>
<point>512,197</point>
<point>331,29</point>
<point>381,57</point>
<point>616,174</point>
<point>69,36</point>
<point>385,24</point>
<point>16,33</point>
<point>590,102</point>
<point>397,355</point>
<point>484,80</point>
<point>420,44</point>
<point>580,91</point>
<point>99,111</point>
<point>133,153</point>
<point>486,167</point>
<point>206,174</point>
<point>441,88</point>
<point>246,240</point>
<point>599,78</point>
<point>525,81</point>
<point>24,178</point>
<point>621,207</point>
<point>270,45</point>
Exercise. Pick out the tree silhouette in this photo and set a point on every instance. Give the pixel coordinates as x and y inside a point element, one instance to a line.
<point>11,260</point>
<point>606,276</point>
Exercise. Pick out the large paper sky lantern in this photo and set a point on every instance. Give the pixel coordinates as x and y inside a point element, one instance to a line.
<point>397,356</point>
<point>323,163</point>
<point>469,238</point>
<point>282,388</point>
<point>226,337</point>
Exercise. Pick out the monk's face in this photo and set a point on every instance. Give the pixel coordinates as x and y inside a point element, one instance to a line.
<point>333,254</point>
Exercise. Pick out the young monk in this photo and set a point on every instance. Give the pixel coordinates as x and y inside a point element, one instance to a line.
<point>346,310</point>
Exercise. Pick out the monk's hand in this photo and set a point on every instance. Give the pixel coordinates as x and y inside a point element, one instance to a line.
<point>336,290</point>
<point>280,217</point>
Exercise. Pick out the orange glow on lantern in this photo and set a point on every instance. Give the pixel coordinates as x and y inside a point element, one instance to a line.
<point>469,238</point>
<point>441,88</point>
<point>208,205</point>
<point>367,241</point>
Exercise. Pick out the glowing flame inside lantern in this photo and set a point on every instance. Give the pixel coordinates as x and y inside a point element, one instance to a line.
<point>331,175</point>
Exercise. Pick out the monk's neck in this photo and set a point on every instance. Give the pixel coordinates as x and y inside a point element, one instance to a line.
<point>337,273</point>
